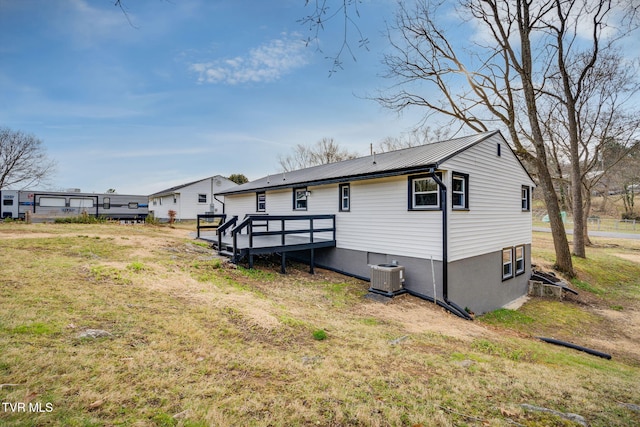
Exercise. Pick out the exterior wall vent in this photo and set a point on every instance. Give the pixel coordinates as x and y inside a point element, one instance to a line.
<point>387,278</point>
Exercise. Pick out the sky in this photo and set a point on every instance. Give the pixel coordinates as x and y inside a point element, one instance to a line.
<point>173,91</point>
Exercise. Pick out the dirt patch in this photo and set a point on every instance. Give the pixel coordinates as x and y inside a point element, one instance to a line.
<point>630,257</point>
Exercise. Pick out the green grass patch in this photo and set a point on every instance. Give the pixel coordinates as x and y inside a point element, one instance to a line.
<point>319,335</point>
<point>36,328</point>
<point>507,318</point>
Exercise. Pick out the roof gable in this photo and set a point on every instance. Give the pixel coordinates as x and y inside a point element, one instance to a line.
<point>172,190</point>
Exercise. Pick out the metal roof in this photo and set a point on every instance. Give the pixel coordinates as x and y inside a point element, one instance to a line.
<point>398,162</point>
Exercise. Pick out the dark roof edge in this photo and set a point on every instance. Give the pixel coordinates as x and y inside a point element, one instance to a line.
<point>348,178</point>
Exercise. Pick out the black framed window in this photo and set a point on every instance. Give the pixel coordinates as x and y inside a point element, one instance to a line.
<point>526,198</point>
<point>202,198</point>
<point>460,191</point>
<point>345,197</point>
<point>106,203</point>
<point>261,202</point>
<point>300,196</point>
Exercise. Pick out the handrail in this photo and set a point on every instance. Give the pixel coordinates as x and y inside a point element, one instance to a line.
<point>222,229</point>
<point>208,216</point>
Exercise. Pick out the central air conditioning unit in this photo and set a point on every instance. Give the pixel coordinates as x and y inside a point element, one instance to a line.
<point>387,278</point>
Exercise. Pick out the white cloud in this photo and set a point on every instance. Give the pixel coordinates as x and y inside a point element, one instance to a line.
<point>266,63</point>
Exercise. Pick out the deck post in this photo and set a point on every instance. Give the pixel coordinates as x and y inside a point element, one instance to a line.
<point>283,262</point>
<point>250,259</point>
<point>311,262</point>
<point>282,228</point>
<point>235,248</point>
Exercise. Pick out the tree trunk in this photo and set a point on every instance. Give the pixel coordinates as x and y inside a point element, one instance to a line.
<point>563,255</point>
<point>560,242</point>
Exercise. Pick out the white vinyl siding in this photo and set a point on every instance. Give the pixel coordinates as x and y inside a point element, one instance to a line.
<point>379,222</point>
<point>495,219</point>
<point>186,200</point>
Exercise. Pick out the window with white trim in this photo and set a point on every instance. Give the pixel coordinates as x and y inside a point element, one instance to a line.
<point>519,259</point>
<point>526,198</point>
<point>423,193</point>
<point>507,263</point>
<point>345,197</point>
<point>261,202</point>
<point>460,191</point>
<point>300,199</point>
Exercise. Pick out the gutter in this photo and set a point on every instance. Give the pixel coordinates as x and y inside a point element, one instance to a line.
<point>451,306</point>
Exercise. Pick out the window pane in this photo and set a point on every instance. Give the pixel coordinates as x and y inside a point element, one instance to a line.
<point>301,199</point>
<point>202,198</point>
<point>81,203</point>
<point>458,199</point>
<point>426,184</point>
<point>430,199</point>
<point>458,184</point>
<point>506,270</point>
<point>52,201</point>
<point>133,205</point>
<point>7,202</point>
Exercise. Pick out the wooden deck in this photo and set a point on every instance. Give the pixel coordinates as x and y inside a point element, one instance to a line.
<point>258,239</point>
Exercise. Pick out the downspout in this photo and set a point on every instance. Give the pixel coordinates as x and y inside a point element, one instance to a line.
<point>445,240</point>
<point>219,201</point>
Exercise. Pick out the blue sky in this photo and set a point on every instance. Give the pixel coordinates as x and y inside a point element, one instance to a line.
<point>187,89</point>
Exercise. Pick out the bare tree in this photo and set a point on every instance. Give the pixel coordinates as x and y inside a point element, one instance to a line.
<point>322,152</point>
<point>345,12</point>
<point>604,121</point>
<point>419,136</point>
<point>23,160</point>
<point>503,77</point>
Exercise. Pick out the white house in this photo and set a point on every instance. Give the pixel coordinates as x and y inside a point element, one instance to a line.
<point>191,199</point>
<point>462,205</point>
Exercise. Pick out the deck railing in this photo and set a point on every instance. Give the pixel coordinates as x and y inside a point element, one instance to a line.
<point>212,221</point>
<point>222,230</point>
<point>252,222</point>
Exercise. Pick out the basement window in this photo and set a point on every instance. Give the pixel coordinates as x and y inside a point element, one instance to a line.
<point>519,260</point>
<point>507,263</point>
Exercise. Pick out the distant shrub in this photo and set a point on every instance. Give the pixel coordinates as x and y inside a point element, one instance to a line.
<point>152,220</point>
<point>83,218</point>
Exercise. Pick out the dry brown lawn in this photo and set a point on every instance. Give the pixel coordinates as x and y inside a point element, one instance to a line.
<point>194,341</point>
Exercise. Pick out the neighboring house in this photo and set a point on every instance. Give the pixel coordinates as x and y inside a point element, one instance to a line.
<point>191,199</point>
<point>462,205</point>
